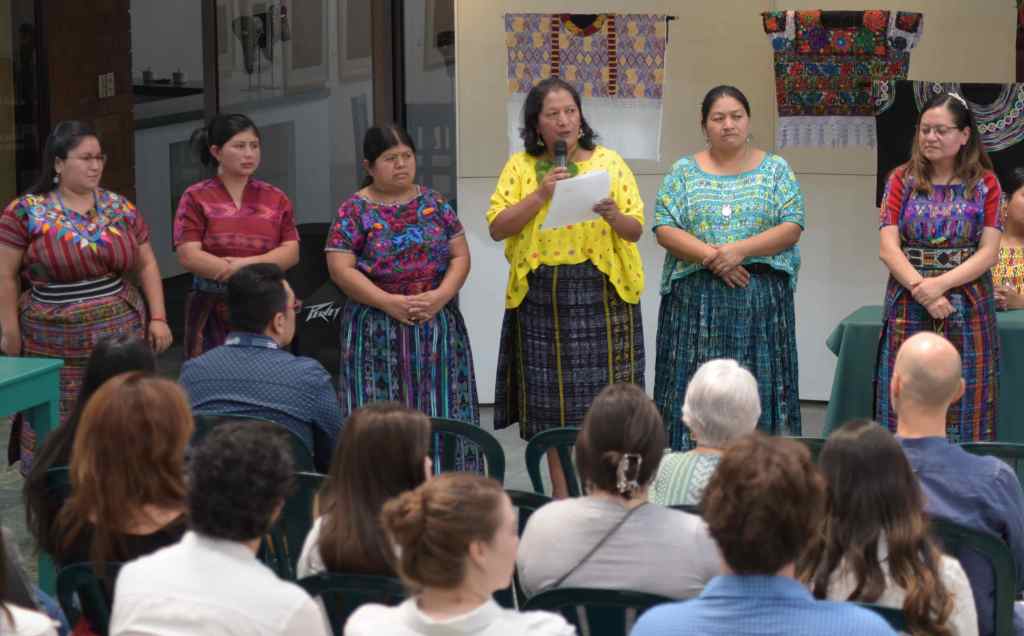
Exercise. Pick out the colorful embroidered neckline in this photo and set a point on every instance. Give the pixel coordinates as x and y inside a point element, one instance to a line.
<point>86,232</point>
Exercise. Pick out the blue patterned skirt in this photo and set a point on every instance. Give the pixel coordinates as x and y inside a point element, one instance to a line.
<point>702,319</point>
<point>428,367</point>
<point>570,337</point>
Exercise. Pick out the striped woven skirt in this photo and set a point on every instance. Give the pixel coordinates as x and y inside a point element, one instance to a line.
<point>70,331</point>
<point>972,329</point>
<point>570,337</point>
<point>206,322</point>
<point>428,367</point>
<point>702,319</point>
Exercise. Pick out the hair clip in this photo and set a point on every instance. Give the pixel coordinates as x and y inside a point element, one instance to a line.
<point>624,483</point>
<point>959,99</point>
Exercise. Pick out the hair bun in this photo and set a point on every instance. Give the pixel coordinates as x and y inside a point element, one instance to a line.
<point>404,518</point>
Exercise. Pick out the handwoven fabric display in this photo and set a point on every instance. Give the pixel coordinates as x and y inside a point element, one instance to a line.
<point>616,61</point>
<point>998,110</point>
<point>825,63</point>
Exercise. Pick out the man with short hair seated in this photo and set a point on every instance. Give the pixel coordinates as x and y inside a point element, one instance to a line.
<point>974,491</point>
<point>210,582</point>
<point>252,373</point>
<point>763,505</point>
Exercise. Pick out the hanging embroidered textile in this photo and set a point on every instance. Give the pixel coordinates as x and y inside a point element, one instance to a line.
<point>825,62</point>
<point>616,61</point>
<point>998,111</point>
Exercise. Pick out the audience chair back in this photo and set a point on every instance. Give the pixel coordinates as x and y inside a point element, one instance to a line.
<point>84,593</point>
<point>813,444</point>
<point>342,594</point>
<point>563,440</point>
<point>597,612</point>
<point>282,547</point>
<point>525,504</point>
<point>1012,454</point>
<point>895,617</point>
<point>452,439</point>
<point>206,421</point>
<point>693,509</point>
<point>58,483</point>
<point>957,539</point>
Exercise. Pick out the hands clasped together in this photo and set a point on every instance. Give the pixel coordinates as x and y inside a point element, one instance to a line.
<point>415,309</point>
<point>929,292</point>
<point>725,261</point>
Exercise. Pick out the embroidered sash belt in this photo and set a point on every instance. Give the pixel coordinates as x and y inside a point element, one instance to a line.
<point>59,293</point>
<point>937,258</point>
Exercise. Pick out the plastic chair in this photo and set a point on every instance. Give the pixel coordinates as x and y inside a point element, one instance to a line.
<point>94,593</point>
<point>204,423</point>
<point>445,460</point>
<point>895,617</point>
<point>603,612</point>
<point>342,594</point>
<point>813,444</point>
<point>282,546</point>
<point>1012,454</point>
<point>562,440</point>
<point>956,539</point>
<point>690,508</point>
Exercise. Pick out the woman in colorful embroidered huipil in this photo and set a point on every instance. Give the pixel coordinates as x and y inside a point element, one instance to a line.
<point>729,217</point>
<point>227,222</point>
<point>1008,274</point>
<point>399,253</point>
<point>72,242</point>
<point>940,231</point>
<point>572,307</point>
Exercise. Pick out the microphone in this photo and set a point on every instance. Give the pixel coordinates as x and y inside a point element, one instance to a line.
<point>560,152</point>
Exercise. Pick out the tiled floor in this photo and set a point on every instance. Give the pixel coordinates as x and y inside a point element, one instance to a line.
<point>12,512</point>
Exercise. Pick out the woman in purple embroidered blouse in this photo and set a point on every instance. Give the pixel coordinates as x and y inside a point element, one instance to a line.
<point>399,253</point>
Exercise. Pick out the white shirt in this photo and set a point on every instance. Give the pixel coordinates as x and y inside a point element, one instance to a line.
<point>310,561</point>
<point>26,623</point>
<point>210,587</point>
<point>487,620</point>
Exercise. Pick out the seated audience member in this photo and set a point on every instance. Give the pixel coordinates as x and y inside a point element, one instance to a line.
<point>455,539</point>
<point>876,547</point>
<point>16,620</point>
<point>210,582</point>
<point>721,404</point>
<point>612,538</point>
<point>127,472</point>
<point>764,504</point>
<point>112,355</point>
<point>252,374</point>
<point>382,453</point>
<point>974,491</point>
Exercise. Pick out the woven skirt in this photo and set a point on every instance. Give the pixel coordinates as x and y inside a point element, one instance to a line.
<point>972,329</point>
<point>570,337</point>
<point>70,331</point>
<point>206,322</point>
<point>702,319</point>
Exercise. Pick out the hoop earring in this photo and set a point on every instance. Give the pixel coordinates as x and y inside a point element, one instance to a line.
<point>540,140</point>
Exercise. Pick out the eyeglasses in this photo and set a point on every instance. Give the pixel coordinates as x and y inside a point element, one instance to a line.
<point>101,158</point>
<point>941,131</point>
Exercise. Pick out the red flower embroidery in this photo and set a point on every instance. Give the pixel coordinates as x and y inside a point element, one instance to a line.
<point>876,20</point>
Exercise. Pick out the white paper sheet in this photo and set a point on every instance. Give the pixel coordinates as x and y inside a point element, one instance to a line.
<point>574,199</point>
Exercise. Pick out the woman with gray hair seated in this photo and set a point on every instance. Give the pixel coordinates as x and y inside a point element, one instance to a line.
<point>721,404</point>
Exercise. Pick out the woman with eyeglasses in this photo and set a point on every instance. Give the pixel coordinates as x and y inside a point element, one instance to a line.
<point>399,252</point>
<point>72,243</point>
<point>940,232</point>
<point>227,222</point>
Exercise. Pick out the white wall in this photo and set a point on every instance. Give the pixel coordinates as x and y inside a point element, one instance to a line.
<point>715,42</point>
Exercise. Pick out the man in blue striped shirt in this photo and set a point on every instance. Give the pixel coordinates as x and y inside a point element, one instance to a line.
<point>762,506</point>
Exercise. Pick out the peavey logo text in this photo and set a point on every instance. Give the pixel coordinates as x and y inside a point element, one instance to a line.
<point>325,311</point>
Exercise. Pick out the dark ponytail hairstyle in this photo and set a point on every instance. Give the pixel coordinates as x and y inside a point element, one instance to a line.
<point>218,132</point>
<point>380,139</point>
<point>64,138</point>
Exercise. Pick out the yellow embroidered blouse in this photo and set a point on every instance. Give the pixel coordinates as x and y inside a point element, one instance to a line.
<point>595,240</point>
<point>1010,268</point>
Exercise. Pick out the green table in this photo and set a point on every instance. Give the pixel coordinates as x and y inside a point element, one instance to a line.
<point>855,343</point>
<point>33,385</point>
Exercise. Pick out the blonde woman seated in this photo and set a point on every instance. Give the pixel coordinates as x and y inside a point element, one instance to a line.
<point>455,539</point>
<point>721,404</point>
<point>612,538</point>
<point>875,546</point>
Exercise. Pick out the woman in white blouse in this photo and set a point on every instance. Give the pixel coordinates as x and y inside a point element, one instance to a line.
<point>455,538</point>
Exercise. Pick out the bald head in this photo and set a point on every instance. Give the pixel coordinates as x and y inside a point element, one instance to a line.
<point>927,373</point>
